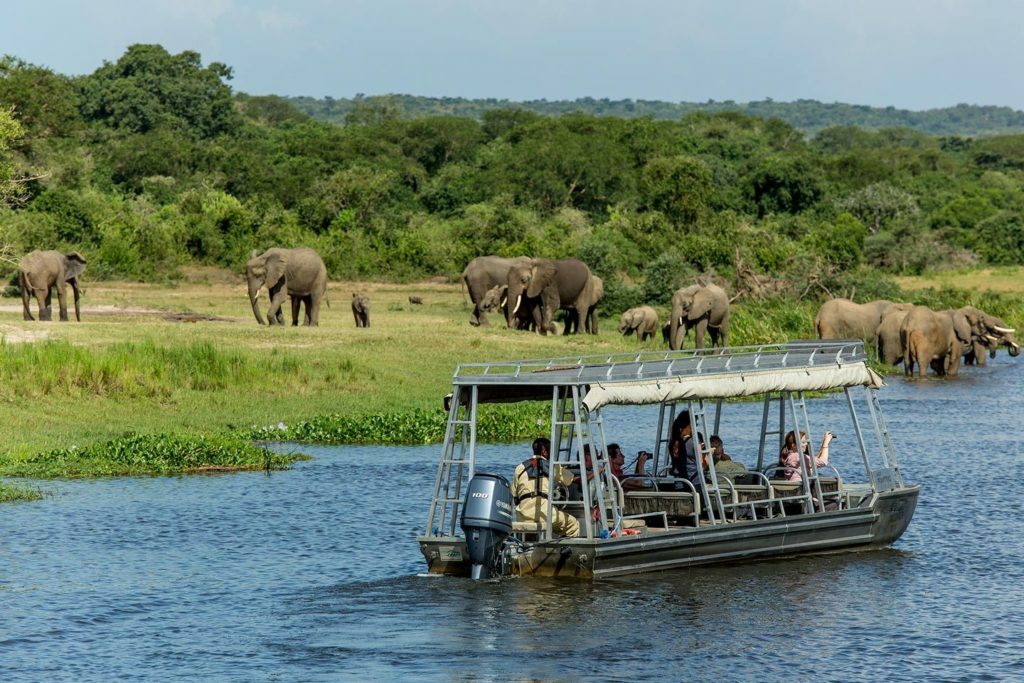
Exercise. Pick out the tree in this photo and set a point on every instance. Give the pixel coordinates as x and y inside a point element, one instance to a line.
<point>10,131</point>
<point>783,184</point>
<point>149,88</point>
<point>679,187</point>
<point>42,101</point>
<point>878,203</point>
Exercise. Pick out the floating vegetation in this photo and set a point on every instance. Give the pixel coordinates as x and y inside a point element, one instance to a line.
<point>149,454</point>
<point>11,494</point>
<point>495,424</point>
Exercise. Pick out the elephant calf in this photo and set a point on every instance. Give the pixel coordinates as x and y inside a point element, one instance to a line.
<point>361,309</point>
<point>643,320</point>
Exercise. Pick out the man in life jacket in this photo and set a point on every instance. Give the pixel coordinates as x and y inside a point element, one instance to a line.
<point>530,488</point>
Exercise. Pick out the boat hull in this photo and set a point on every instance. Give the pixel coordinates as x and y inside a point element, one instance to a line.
<point>877,522</point>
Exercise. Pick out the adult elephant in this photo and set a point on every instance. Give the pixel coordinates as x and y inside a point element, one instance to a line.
<point>643,320</point>
<point>934,338</point>
<point>844,319</point>
<point>40,271</point>
<point>704,307</point>
<point>887,334</point>
<point>547,285</point>
<point>990,333</point>
<point>297,273</point>
<point>482,274</point>
<point>572,318</point>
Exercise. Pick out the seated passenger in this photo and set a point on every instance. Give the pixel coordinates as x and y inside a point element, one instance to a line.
<point>617,459</point>
<point>682,453</point>
<point>790,455</point>
<point>724,464</point>
<point>530,487</point>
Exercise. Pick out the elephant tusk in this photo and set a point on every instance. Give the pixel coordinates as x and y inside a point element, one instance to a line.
<point>1004,330</point>
<point>504,302</point>
<point>519,300</point>
<point>988,337</point>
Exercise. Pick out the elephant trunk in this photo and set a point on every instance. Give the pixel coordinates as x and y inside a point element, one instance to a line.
<point>1014,349</point>
<point>254,295</point>
<point>78,310</point>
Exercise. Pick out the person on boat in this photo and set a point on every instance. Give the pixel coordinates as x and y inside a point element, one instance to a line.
<point>682,452</point>
<point>530,487</point>
<point>790,455</point>
<point>617,460</point>
<point>724,464</point>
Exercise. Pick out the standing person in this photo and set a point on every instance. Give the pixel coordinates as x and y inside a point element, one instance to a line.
<point>530,487</point>
<point>790,455</point>
<point>683,452</point>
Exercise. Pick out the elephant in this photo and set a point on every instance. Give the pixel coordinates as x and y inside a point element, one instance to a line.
<point>572,318</point>
<point>844,319</point>
<point>361,309</point>
<point>298,273</point>
<point>932,338</point>
<point>990,333</point>
<point>40,271</point>
<point>887,335</point>
<point>482,274</point>
<point>643,320</point>
<point>497,297</point>
<point>705,307</point>
<point>546,285</point>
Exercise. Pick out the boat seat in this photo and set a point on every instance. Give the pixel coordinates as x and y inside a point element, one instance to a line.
<point>672,503</point>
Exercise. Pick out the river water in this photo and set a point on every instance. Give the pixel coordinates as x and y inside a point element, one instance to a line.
<point>314,574</point>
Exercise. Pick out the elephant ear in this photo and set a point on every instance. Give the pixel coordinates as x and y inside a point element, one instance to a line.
<point>275,268</point>
<point>74,265</point>
<point>962,326</point>
<point>701,305</point>
<point>541,276</point>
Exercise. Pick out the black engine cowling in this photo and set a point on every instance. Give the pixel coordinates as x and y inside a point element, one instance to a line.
<point>486,520</point>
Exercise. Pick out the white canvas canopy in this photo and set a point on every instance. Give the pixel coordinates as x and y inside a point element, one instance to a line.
<point>652,391</point>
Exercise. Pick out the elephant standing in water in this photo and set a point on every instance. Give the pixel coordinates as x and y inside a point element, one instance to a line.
<point>844,319</point>
<point>482,274</point>
<point>935,338</point>
<point>887,334</point>
<point>361,309</point>
<point>545,285</point>
<point>705,307</point>
<point>298,273</point>
<point>990,333</point>
<point>40,271</point>
<point>643,320</point>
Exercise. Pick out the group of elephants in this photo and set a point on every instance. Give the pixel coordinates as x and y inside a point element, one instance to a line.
<point>299,274</point>
<point>917,336</point>
<point>529,291</point>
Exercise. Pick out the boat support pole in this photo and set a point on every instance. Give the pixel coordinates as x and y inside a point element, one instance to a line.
<point>860,438</point>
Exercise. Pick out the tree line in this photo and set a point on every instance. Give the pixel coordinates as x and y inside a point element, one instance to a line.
<point>807,116</point>
<point>153,161</point>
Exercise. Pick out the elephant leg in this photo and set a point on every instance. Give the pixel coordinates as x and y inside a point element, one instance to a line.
<point>572,322</point>
<point>314,310</point>
<point>296,305</point>
<point>62,300</point>
<point>592,321</point>
<point>43,303</point>
<point>274,314</point>
<point>702,327</point>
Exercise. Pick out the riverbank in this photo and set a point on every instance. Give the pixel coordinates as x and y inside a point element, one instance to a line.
<point>190,360</point>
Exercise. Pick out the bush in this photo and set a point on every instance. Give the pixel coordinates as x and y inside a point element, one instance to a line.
<point>664,275</point>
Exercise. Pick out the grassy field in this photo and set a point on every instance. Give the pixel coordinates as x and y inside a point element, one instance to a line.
<point>1007,280</point>
<point>133,366</point>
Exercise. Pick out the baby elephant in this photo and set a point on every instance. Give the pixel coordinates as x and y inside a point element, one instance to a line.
<point>361,309</point>
<point>643,320</point>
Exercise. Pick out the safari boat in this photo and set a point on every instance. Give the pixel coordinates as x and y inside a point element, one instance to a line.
<point>654,522</point>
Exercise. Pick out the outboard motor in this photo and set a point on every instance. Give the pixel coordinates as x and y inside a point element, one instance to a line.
<point>486,520</point>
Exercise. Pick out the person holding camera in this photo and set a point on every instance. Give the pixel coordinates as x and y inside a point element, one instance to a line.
<point>617,460</point>
<point>790,455</point>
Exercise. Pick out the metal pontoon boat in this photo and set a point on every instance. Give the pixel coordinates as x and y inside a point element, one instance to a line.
<point>666,523</point>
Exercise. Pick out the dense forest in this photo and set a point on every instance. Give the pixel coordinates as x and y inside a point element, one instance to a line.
<point>153,161</point>
<point>807,116</point>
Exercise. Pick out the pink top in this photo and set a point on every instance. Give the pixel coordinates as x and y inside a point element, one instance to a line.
<point>792,459</point>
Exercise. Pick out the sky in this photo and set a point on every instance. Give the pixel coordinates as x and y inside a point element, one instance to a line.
<point>910,54</point>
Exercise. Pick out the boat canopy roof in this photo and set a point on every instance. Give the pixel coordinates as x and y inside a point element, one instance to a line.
<point>652,377</point>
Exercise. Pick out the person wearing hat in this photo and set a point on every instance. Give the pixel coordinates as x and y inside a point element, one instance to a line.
<point>530,485</point>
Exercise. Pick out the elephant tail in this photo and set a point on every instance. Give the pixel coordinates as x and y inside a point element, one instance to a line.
<point>463,286</point>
